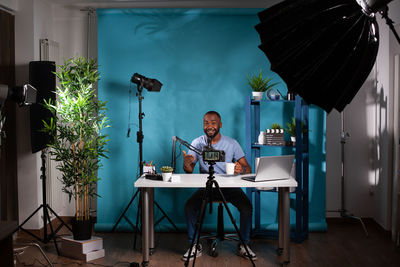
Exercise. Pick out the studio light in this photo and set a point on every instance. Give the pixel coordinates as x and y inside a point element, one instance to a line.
<point>323,49</point>
<point>22,95</point>
<point>152,85</point>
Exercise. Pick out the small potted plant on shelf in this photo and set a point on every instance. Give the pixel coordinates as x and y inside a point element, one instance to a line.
<point>166,172</point>
<point>259,85</point>
<point>291,129</point>
<point>78,144</point>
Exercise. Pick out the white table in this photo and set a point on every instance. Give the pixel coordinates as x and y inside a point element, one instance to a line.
<point>199,181</point>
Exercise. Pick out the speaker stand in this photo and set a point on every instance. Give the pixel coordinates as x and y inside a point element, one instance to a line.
<point>46,208</point>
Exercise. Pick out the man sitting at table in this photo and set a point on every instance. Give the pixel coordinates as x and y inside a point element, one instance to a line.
<point>233,153</point>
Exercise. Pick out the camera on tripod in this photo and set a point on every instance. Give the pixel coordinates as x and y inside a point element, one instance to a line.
<point>211,155</point>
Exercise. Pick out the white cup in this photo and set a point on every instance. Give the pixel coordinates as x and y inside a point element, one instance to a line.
<point>230,168</point>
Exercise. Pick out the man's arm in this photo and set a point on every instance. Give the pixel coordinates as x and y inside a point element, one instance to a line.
<point>188,162</point>
<point>242,166</point>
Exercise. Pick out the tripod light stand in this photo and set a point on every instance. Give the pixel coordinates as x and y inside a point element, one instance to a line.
<point>155,86</point>
<point>342,211</point>
<point>26,96</point>
<point>46,214</point>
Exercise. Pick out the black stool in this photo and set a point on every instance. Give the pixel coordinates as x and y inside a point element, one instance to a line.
<point>220,236</point>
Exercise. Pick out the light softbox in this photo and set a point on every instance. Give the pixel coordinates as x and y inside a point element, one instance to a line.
<point>323,49</point>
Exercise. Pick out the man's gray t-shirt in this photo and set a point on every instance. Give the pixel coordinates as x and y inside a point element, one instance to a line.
<point>232,149</point>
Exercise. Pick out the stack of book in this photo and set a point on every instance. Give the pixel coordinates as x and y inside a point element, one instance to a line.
<point>85,250</point>
<point>274,137</point>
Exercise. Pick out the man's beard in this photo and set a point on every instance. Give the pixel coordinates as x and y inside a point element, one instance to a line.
<point>212,135</point>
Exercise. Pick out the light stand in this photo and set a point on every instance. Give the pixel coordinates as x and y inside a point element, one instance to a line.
<point>345,214</point>
<point>46,217</point>
<point>151,85</point>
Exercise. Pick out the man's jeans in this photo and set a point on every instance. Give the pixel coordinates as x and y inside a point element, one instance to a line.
<point>236,196</point>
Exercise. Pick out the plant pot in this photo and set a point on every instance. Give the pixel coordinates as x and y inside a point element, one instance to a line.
<point>166,176</point>
<point>81,230</point>
<point>257,95</point>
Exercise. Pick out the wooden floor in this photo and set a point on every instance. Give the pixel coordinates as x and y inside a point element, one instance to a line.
<point>344,244</point>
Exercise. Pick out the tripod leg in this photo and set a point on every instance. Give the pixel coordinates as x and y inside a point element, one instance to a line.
<point>52,235</point>
<point>27,219</point>
<point>123,213</point>
<point>166,216</point>
<point>233,220</point>
<point>197,231</point>
<point>59,218</point>
<point>30,216</point>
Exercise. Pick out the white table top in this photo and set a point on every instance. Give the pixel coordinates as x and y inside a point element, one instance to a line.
<point>199,180</point>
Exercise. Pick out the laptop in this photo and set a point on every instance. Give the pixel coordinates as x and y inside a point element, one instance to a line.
<point>272,168</point>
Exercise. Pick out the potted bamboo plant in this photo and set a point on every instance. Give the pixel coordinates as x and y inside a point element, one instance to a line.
<point>78,144</point>
<point>259,85</point>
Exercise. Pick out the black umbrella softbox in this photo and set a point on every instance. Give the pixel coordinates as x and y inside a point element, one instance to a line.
<point>323,50</point>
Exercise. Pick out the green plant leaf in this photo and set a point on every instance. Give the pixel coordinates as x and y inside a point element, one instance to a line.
<point>78,143</point>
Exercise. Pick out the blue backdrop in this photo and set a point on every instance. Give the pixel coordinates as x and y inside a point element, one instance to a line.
<point>202,57</point>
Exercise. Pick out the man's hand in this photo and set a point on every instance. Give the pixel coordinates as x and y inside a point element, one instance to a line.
<point>238,168</point>
<point>188,160</point>
<point>242,167</point>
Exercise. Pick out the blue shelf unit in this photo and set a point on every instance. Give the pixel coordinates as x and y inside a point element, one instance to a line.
<point>253,150</point>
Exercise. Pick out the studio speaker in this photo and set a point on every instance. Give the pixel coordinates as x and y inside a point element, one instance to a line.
<point>42,77</point>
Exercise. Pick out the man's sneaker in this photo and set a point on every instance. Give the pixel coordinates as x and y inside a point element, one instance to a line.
<point>242,252</point>
<point>199,253</point>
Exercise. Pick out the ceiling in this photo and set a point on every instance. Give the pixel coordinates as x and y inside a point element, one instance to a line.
<point>167,3</point>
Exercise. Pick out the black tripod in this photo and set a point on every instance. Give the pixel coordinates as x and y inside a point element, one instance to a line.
<point>207,198</point>
<point>46,217</point>
<point>139,138</point>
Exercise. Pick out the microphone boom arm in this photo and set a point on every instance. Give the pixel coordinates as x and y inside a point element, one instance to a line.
<point>186,144</point>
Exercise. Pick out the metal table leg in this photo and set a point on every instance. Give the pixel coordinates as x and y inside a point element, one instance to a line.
<point>286,223</point>
<point>151,219</point>
<point>145,226</point>
<point>280,222</point>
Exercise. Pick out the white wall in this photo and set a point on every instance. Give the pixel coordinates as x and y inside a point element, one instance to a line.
<point>34,20</point>
<point>368,150</point>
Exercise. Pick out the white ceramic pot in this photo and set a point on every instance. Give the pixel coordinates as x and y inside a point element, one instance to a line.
<point>166,176</point>
<point>257,95</point>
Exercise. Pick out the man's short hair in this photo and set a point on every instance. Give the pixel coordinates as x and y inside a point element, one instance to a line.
<point>212,112</point>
